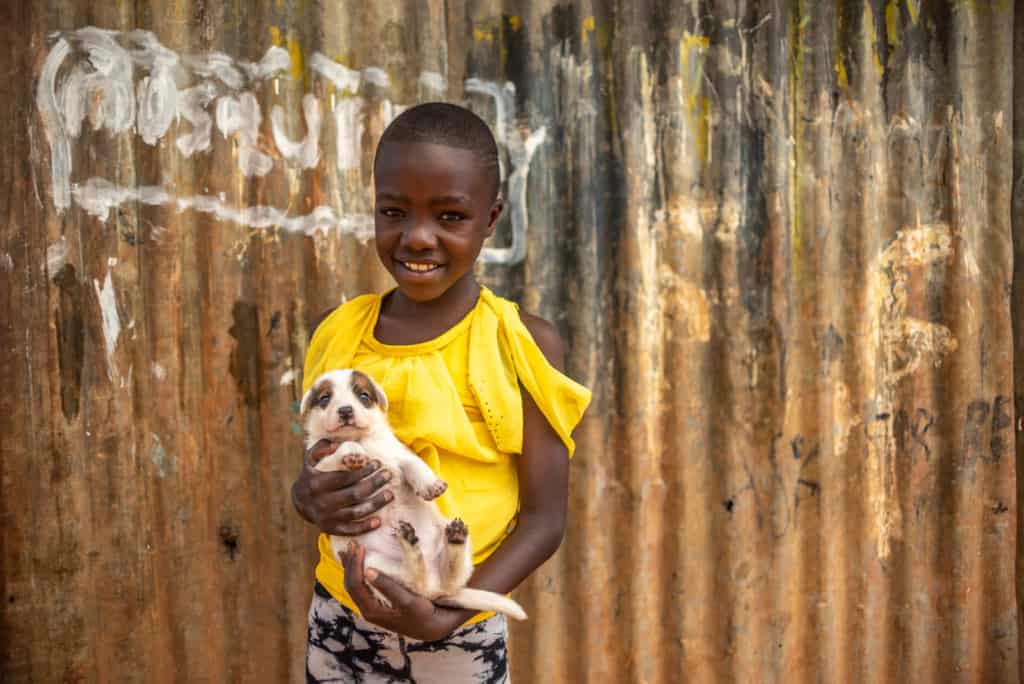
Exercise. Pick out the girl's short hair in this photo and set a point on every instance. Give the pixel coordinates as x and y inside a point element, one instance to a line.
<point>444,123</point>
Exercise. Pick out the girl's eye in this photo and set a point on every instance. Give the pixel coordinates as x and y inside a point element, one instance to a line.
<point>391,212</point>
<point>452,216</point>
<point>364,397</point>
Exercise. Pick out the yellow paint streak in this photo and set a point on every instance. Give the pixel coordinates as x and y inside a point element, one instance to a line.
<point>298,62</point>
<point>692,52</point>
<point>692,43</point>
<point>871,32</point>
<point>275,36</point>
<point>914,10</point>
<point>588,27</point>
<point>515,22</point>
<point>483,35</point>
<point>892,23</point>
<point>842,77</point>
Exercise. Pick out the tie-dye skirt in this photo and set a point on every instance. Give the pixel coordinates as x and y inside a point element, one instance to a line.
<point>342,647</point>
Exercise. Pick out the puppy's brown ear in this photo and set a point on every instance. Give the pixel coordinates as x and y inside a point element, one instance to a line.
<point>364,381</point>
<point>382,398</point>
<point>307,399</point>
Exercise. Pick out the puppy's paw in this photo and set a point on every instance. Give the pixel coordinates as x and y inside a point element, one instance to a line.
<point>353,456</point>
<point>406,531</point>
<point>456,532</point>
<point>433,490</point>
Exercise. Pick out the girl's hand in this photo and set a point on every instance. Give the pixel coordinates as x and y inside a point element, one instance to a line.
<point>340,502</point>
<point>410,614</point>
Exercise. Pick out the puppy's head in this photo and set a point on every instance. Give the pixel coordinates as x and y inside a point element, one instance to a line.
<point>342,405</point>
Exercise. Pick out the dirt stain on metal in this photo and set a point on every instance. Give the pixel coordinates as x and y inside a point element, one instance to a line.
<point>245,359</point>
<point>70,340</point>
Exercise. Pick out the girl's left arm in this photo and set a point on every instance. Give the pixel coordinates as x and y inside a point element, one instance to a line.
<point>543,486</point>
<point>543,471</point>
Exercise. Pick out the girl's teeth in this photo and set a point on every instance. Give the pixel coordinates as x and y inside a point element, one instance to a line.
<point>419,267</point>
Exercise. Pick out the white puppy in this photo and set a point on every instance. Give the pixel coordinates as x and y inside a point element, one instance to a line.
<point>415,544</point>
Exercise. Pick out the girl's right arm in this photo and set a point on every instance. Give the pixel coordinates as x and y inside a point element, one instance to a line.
<point>340,502</point>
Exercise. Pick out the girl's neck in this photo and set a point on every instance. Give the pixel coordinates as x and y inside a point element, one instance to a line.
<point>406,321</point>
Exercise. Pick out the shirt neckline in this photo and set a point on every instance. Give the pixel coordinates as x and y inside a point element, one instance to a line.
<point>425,346</point>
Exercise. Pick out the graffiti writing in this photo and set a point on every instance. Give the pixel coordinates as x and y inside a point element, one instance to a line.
<point>128,81</point>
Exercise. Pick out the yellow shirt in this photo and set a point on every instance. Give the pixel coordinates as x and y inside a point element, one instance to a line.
<point>455,401</point>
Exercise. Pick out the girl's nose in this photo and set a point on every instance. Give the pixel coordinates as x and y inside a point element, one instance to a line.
<point>419,236</point>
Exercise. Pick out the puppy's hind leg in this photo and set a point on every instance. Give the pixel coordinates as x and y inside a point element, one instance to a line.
<point>457,563</point>
<point>413,562</point>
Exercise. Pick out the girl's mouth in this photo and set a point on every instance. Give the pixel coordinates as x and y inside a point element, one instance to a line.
<point>419,267</point>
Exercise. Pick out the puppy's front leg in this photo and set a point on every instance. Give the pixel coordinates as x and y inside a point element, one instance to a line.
<point>420,477</point>
<point>348,456</point>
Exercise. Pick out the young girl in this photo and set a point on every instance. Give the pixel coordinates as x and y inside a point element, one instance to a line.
<point>475,387</point>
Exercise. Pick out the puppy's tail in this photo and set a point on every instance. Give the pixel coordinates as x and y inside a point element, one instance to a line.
<point>477,599</point>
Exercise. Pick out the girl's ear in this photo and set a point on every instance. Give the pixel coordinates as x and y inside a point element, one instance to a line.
<point>496,209</point>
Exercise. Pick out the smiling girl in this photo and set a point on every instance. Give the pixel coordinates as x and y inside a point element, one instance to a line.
<point>476,388</point>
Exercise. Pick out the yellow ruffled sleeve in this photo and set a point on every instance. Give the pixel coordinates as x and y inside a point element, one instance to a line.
<point>497,370</point>
<point>337,338</point>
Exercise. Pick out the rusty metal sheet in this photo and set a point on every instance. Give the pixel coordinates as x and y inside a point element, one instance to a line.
<point>778,238</point>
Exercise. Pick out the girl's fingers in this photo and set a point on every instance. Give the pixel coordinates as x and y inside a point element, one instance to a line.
<point>366,508</point>
<point>399,597</point>
<point>337,480</point>
<point>346,507</point>
<point>355,580</point>
<point>351,487</point>
<point>352,529</point>
<point>318,451</point>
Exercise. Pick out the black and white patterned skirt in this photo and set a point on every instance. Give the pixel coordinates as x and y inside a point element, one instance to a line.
<point>343,647</point>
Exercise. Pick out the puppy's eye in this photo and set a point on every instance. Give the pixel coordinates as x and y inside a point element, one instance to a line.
<point>323,401</point>
<point>365,398</point>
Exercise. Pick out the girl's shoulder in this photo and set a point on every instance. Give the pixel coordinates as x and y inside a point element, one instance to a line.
<point>544,335</point>
<point>547,338</point>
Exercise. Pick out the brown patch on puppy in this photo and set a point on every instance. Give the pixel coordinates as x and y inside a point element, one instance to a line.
<point>367,391</point>
<point>313,397</point>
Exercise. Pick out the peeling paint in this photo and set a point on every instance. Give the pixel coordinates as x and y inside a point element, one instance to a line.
<point>904,344</point>
<point>166,464</point>
<point>111,322</point>
<point>55,255</point>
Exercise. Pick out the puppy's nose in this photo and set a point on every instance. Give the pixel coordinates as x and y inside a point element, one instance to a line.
<point>345,412</point>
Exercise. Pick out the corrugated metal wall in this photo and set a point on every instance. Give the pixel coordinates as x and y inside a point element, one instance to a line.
<point>778,237</point>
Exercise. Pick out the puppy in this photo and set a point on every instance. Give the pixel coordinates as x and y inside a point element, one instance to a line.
<point>415,545</point>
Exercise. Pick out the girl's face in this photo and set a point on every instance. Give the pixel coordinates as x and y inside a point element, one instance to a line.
<point>434,209</point>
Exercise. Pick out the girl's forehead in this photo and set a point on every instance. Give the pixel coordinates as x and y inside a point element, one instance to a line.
<point>403,168</point>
